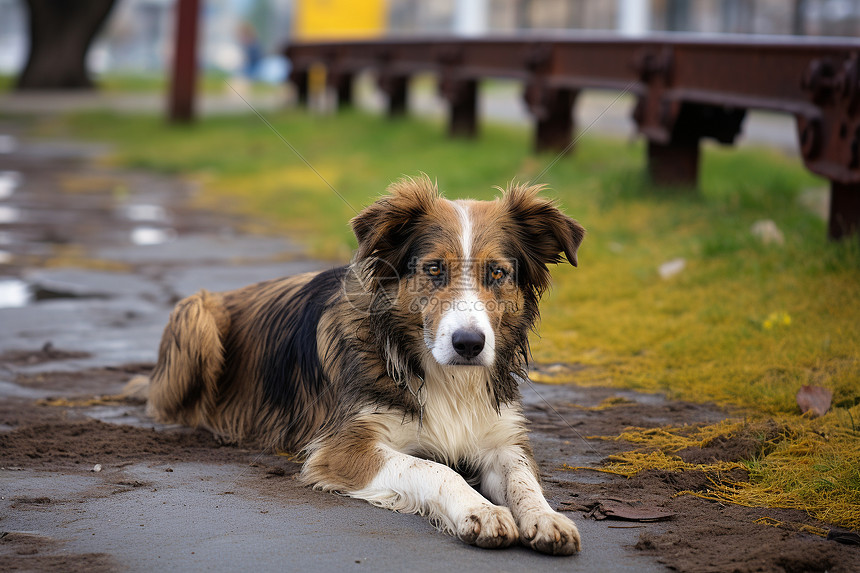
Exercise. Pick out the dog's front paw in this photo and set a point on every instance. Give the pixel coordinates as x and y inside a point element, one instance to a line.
<point>549,532</point>
<point>488,526</point>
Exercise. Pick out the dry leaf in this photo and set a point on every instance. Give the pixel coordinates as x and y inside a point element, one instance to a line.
<point>815,399</point>
<point>628,510</point>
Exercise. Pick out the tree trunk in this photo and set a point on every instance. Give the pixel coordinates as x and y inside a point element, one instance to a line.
<point>61,32</point>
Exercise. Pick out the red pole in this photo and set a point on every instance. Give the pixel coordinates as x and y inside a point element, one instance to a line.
<point>184,62</point>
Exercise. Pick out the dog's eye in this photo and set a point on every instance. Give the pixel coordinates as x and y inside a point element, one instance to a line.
<point>497,273</point>
<point>433,269</point>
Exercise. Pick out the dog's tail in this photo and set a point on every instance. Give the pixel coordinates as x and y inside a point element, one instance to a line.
<point>136,389</point>
<point>184,385</point>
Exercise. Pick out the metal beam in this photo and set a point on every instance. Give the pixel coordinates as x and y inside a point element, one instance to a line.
<point>686,89</point>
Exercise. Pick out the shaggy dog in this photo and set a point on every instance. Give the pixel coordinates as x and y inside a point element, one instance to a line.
<point>396,376</point>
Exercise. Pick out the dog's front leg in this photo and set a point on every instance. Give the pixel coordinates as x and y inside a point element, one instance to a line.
<point>409,484</point>
<point>414,485</point>
<point>510,478</point>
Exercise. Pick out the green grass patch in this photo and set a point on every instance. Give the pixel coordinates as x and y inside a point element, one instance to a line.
<point>211,83</point>
<point>743,323</point>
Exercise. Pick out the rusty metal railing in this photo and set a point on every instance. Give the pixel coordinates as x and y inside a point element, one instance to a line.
<point>686,90</point>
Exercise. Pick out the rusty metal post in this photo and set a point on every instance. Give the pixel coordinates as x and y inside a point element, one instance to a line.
<point>555,131</point>
<point>396,87</point>
<point>844,210</point>
<point>462,96</point>
<point>299,78</point>
<point>553,112</point>
<point>342,84</point>
<point>184,79</point>
<point>675,163</point>
<point>673,151</point>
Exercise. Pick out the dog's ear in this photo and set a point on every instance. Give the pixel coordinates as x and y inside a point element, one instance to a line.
<point>385,229</point>
<point>542,233</point>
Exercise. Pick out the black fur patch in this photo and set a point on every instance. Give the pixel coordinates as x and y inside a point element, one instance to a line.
<point>290,364</point>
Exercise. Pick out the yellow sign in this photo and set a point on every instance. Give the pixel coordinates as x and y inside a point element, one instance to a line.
<point>339,19</point>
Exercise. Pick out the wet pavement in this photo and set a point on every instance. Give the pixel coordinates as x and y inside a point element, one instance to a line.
<point>91,261</point>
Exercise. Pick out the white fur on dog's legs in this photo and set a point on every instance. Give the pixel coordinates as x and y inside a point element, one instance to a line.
<point>413,485</point>
<point>508,479</point>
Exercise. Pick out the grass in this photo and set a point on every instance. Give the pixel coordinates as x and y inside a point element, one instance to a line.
<point>743,323</point>
<point>210,83</point>
<point>808,464</point>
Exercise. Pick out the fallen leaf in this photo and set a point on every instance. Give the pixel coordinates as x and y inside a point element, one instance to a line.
<point>815,399</point>
<point>627,510</point>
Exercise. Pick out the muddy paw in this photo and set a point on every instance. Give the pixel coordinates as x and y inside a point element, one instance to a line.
<point>488,526</point>
<point>550,533</point>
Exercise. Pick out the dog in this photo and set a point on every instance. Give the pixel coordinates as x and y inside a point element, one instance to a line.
<point>396,376</point>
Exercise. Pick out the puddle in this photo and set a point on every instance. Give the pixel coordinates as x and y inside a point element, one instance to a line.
<point>9,181</point>
<point>10,390</point>
<point>145,213</point>
<point>151,235</point>
<point>121,415</point>
<point>9,214</point>
<point>40,293</point>
<point>8,144</point>
<point>14,293</point>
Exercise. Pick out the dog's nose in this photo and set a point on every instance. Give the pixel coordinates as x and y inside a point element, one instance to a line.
<point>467,342</point>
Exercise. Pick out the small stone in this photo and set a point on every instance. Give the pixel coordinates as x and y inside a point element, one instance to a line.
<point>97,468</point>
<point>767,232</point>
<point>671,268</point>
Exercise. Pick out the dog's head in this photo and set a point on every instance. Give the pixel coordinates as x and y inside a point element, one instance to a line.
<point>463,278</point>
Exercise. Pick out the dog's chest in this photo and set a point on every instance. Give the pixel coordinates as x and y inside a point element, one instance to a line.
<point>458,418</point>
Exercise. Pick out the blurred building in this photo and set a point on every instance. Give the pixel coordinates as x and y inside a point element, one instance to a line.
<point>804,17</point>
<point>139,35</point>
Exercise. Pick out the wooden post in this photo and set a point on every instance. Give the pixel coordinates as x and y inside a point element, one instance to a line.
<point>675,163</point>
<point>184,79</point>
<point>299,78</point>
<point>552,109</point>
<point>396,87</point>
<point>462,96</point>
<point>844,210</point>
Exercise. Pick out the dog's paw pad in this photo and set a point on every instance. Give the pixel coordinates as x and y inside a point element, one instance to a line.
<point>550,533</point>
<point>488,526</point>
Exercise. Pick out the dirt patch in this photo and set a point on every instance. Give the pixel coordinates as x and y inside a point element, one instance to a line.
<point>23,551</point>
<point>691,535</point>
<point>722,449</point>
<point>46,354</point>
<point>64,444</point>
<point>754,441</point>
<point>700,535</point>
<point>94,381</point>
<point>708,537</point>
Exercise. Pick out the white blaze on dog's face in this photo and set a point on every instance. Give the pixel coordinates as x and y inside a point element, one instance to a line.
<point>461,307</point>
